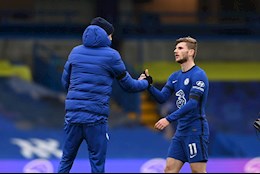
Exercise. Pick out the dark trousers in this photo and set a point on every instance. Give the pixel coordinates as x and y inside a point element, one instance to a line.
<point>96,137</point>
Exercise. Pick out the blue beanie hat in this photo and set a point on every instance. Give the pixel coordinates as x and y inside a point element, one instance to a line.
<point>101,22</point>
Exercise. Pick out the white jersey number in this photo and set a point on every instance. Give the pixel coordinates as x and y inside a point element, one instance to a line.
<point>193,150</point>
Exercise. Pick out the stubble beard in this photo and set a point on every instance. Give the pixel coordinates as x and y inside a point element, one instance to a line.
<point>183,60</point>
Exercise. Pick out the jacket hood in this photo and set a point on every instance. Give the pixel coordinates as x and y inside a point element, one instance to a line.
<point>95,36</point>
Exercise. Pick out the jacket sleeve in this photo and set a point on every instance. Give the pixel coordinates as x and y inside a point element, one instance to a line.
<point>124,78</point>
<point>65,79</point>
<point>132,85</point>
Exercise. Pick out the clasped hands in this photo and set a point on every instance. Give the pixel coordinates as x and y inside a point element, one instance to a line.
<point>145,76</point>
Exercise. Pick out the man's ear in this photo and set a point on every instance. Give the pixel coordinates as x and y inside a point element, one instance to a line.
<point>110,36</point>
<point>192,52</point>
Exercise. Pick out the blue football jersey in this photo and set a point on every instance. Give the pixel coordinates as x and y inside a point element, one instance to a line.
<point>191,92</point>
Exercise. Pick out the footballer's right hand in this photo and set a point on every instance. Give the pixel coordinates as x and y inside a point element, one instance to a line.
<point>161,124</point>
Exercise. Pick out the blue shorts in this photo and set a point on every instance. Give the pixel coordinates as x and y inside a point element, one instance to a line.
<point>189,148</point>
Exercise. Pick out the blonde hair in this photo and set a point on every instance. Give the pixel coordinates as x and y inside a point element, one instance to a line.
<point>191,43</point>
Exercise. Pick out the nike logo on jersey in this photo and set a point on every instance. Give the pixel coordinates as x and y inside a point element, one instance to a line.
<point>174,81</point>
<point>192,156</point>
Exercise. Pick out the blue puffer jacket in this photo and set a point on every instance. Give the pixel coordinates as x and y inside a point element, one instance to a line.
<point>88,76</point>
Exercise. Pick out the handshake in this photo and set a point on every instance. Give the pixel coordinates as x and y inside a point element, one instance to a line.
<point>145,76</point>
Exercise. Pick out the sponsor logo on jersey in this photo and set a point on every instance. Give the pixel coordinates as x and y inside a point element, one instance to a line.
<point>181,98</point>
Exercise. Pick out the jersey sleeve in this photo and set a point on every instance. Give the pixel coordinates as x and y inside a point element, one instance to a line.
<point>125,80</point>
<point>163,95</point>
<point>199,84</point>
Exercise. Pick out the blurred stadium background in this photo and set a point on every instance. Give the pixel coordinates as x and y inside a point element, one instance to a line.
<point>36,37</point>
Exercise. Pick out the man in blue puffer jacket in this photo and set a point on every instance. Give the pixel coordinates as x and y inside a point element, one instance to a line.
<point>88,76</point>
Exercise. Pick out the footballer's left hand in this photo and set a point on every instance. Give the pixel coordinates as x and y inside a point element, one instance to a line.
<point>161,124</point>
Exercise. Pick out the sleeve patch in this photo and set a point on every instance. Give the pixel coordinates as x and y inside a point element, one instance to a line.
<point>200,84</point>
<point>199,88</point>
